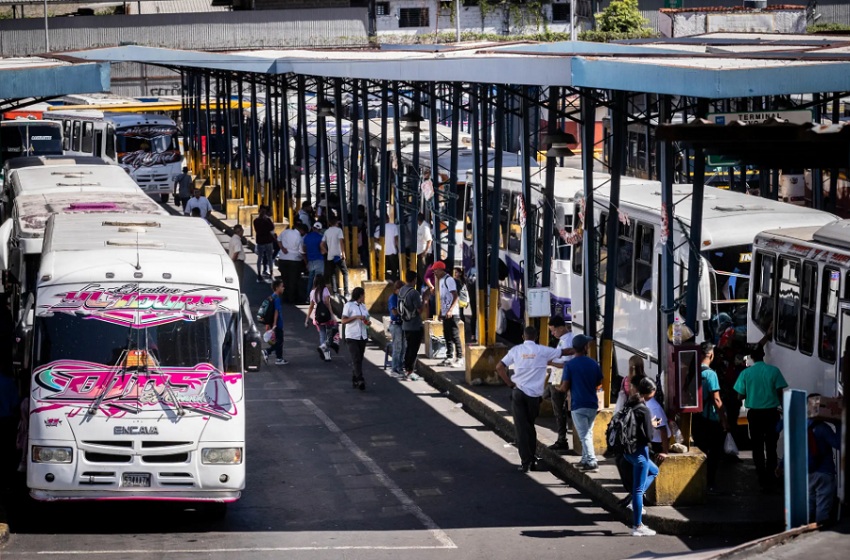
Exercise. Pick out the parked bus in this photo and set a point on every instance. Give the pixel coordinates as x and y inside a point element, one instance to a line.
<point>730,223</point>
<point>801,286</point>
<point>135,338</point>
<point>146,146</point>
<point>28,137</point>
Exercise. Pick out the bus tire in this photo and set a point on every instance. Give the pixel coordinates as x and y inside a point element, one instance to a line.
<point>163,198</point>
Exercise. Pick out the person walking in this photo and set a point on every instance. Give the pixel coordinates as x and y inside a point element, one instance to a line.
<point>266,241</point>
<point>333,245</point>
<point>562,332</point>
<point>711,425</point>
<point>290,245</point>
<point>582,375</point>
<point>396,331</point>
<point>198,202</point>
<point>450,316</point>
<point>528,384</point>
<point>321,314</point>
<point>183,188</point>
<point>424,238</point>
<point>410,309</point>
<point>277,324</point>
<point>355,318</point>
<point>761,385</point>
<point>644,470</point>
<point>236,251</point>
<point>312,250</point>
<point>823,441</point>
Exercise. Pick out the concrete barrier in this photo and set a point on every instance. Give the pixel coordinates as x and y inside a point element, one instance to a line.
<point>231,210</point>
<point>603,418</point>
<point>247,213</point>
<point>481,363</point>
<point>377,296</point>
<point>681,480</point>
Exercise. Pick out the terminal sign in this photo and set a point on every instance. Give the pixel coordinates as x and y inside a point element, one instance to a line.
<point>754,117</point>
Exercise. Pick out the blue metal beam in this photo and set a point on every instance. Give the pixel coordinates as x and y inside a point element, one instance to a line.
<point>54,80</point>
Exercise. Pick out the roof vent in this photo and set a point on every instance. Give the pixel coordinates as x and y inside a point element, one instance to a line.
<point>755,4</point>
<point>120,224</point>
<point>134,243</point>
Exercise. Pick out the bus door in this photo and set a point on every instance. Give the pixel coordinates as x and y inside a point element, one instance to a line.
<point>843,347</point>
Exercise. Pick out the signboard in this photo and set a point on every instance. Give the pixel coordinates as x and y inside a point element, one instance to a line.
<point>674,4</point>
<point>754,117</point>
<point>537,302</point>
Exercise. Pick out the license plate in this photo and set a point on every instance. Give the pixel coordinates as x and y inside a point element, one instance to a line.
<point>136,480</point>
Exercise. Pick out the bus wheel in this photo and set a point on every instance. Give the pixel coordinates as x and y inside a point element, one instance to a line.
<point>163,198</point>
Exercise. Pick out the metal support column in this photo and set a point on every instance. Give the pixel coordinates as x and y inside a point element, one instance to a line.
<point>286,159</point>
<point>323,149</point>
<point>367,163</point>
<point>526,154</point>
<point>450,202</point>
<point>589,242</point>
<point>241,132</point>
<point>491,272</point>
<point>354,172</point>
<point>479,236</point>
<point>398,173</point>
<point>349,244</point>
<point>548,207</point>
<point>384,187</point>
<point>695,236</point>
<point>817,174</point>
<point>303,144</point>
<point>255,145</point>
<point>667,257</point>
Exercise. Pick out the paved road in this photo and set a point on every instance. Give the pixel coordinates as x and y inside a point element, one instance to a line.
<point>396,471</point>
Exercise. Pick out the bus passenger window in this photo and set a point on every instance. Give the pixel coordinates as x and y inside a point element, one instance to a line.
<point>76,136</point>
<point>643,262</point>
<point>808,303</point>
<point>110,143</point>
<point>788,304</point>
<point>87,144</point>
<point>515,231</point>
<point>66,135</point>
<point>602,248</point>
<point>765,303</point>
<point>625,254</point>
<point>830,288</point>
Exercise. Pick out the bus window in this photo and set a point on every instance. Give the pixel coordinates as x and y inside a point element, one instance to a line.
<point>625,255</point>
<point>504,218</point>
<point>110,143</point>
<point>577,246</point>
<point>643,262</point>
<point>87,144</point>
<point>830,288</point>
<point>562,248</point>
<point>76,136</point>
<point>764,290</point>
<point>788,304</point>
<point>808,302</point>
<point>515,232</point>
<point>66,135</point>
<point>602,248</point>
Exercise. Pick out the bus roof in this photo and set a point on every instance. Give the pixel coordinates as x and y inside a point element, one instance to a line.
<point>83,248</point>
<point>835,234</point>
<point>729,218</point>
<point>61,178</point>
<point>118,120</point>
<point>41,161</point>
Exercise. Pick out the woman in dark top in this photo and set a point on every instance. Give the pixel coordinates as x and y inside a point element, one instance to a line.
<point>644,469</point>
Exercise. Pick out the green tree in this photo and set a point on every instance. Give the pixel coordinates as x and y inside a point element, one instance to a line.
<point>621,16</point>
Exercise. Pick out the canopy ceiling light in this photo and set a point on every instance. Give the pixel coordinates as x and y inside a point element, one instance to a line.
<point>558,143</point>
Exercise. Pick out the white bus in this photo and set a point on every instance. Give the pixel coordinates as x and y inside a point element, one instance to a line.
<point>28,137</point>
<point>146,146</point>
<point>801,284</point>
<point>730,224</point>
<point>136,343</point>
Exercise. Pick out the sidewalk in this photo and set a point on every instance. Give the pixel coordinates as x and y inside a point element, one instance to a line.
<point>741,511</point>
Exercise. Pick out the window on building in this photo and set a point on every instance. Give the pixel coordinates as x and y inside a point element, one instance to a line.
<point>764,273</point>
<point>788,302</point>
<point>561,13</point>
<point>643,262</point>
<point>830,288</point>
<point>413,17</point>
<point>808,303</point>
<point>382,9</point>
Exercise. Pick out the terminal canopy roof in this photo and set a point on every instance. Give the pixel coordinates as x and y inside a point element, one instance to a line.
<point>41,77</point>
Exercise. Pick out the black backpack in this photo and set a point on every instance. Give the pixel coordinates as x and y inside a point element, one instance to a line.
<point>405,309</point>
<point>323,314</point>
<point>621,434</point>
<point>265,314</point>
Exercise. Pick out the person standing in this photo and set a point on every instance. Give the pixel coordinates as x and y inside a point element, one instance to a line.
<point>198,202</point>
<point>761,385</point>
<point>324,324</point>
<point>822,441</point>
<point>449,315</point>
<point>237,251</point>
<point>266,241</point>
<point>582,375</point>
<point>410,309</point>
<point>644,470</point>
<point>424,238</point>
<point>304,215</point>
<point>355,317</point>
<point>710,426</point>
<point>277,287</point>
<point>183,188</point>
<point>528,384</point>
<point>562,332</point>
<point>333,245</point>
<point>312,250</point>
<point>291,257</point>
<point>390,248</point>
<point>396,331</point>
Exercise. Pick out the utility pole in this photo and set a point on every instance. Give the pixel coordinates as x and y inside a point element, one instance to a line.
<point>457,21</point>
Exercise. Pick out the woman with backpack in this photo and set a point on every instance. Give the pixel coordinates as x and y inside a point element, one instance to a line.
<point>321,314</point>
<point>644,470</point>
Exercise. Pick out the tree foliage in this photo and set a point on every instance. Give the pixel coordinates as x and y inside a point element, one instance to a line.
<point>621,16</point>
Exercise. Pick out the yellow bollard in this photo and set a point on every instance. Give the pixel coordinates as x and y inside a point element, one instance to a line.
<point>544,331</point>
<point>382,260</point>
<point>373,269</point>
<point>492,317</point>
<point>607,369</point>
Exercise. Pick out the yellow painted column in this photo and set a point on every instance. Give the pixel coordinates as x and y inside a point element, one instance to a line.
<point>373,269</point>
<point>382,260</point>
<point>489,339</point>
<point>607,369</point>
<point>355,253</point>
<point>544,331</point>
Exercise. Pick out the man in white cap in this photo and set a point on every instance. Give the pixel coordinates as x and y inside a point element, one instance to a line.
<point>312,249</point>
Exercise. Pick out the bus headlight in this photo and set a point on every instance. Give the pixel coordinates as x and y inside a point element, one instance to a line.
<point>51,454</point>
<point>221,455</point>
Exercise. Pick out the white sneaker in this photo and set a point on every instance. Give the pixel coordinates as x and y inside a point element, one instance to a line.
<point>642,531</point>
<point>630,507</point>
<point>281,362</point>
<point>458,364</point>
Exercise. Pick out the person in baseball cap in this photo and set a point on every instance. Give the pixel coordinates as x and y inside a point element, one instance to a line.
<point>560,330</point>
<point>317,226</point>
<point>580,342</point>
<point>439,265</point>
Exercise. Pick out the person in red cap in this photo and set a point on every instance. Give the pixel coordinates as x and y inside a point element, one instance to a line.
<point>450,314</point>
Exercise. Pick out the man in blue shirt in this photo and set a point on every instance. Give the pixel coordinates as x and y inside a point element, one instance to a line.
<point>277,286</point>
<point>582,376</point>
<point>313,251</point>
<point>711,425</point>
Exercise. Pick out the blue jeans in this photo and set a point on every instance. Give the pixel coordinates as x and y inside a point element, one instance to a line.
<point>398,347</point>
<point>314,268</point>
<point>583,419</point>
<point>645,472</point>
<point>821,495</point>
<point>265,254</point>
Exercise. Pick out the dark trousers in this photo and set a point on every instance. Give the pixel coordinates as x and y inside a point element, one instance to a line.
<point>764,437</point>
<point>240,270</point>
<point>290,271</point>
<point>278,342</point>
<point>708,435</point>
<point>451,332</point>
<point>525,410</point>
<point>559,407</point>
<point>330,272</point>
<point>413,339</point>
<point>391,262</point>
<point>357,348</point>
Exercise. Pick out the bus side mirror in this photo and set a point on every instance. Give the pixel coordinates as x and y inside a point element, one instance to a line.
<point>252,340</point>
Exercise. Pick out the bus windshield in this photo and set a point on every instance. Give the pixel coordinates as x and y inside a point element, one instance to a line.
<point>149,139</point>
<point>730,286</point>
<point>26,138</point>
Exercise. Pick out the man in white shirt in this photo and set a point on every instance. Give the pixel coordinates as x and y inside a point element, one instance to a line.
<point>562,331</point>
<point>390,248</point>
<point>424,238</point>
<point>237,251</point>
<point>199,202</point>
<point>449,313</point>
<point>291,257</point>
<point>528,383</point>
<point>333,247</point>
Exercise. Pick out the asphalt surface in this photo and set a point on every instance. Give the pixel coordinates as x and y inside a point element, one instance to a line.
<point>396,470</point>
